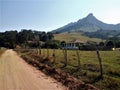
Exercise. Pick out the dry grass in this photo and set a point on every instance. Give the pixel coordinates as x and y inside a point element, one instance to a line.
<point>71,36</point>
<point>1,51</point>
<point>89,71</point>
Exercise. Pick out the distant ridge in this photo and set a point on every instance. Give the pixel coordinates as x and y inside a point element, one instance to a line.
<point>88,24</point>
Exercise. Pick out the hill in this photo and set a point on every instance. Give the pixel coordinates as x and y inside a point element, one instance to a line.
<point>71,36</point>
<point>104,34</point>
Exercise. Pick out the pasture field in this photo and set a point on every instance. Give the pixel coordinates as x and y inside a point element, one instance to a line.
<point>89,71</point>
<point>89,66</point>
<point>71,36</point>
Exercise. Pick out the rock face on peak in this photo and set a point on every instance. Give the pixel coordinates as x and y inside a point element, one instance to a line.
<point>88,24</point>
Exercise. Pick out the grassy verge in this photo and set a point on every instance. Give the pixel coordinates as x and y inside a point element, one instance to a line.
<point>1,51</point>
<point>89,72</point>
<point>45,65</point>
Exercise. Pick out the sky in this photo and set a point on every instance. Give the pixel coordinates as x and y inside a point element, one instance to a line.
<point>47,15</point>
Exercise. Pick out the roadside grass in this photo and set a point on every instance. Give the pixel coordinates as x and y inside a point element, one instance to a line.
<point>90,67</point>
<point>89,71</point>
<point>1,51</point>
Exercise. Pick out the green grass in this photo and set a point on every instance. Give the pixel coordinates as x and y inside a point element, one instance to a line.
<point>89,71</point>
<point>90,67</point>
<point>71,36</point>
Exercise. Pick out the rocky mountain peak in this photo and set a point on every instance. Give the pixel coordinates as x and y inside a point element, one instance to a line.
<point>88,24</point>
<point>90,15</point>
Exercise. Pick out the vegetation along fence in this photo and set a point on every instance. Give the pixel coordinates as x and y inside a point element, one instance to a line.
<point>100,68</point>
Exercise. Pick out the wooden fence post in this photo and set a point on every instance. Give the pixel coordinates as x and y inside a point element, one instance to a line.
<point>78,56</point>
<point>100,63</point>
<point>65,57</point>
<point>40,50</point>
<point>47,52</point>
<point>54,56</point>
<point>43,51</point>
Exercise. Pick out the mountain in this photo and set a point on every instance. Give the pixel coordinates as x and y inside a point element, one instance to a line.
<point>87,24</point>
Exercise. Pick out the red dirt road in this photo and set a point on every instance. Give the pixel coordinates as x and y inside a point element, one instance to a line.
<point>16,74</point>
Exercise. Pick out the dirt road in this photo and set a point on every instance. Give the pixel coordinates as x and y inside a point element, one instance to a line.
<point>16,74</point>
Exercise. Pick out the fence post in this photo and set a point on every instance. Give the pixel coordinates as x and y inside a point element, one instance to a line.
<point>54,56</point>
<point>78,56</point>
<point>47,52</point>
<point>43,51</point>
<point>100,63</point>
<point>40,50</point>
<point>65,57</point>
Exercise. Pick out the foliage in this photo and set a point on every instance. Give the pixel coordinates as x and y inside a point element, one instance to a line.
<point>54,44</point>
<point>113,42</point>
<point>10,39</point>
<point>103,34</point>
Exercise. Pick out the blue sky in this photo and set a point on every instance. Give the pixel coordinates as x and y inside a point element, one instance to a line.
<point>47,15</point>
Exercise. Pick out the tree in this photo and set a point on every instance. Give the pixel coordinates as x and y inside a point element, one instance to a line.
<point>101,44</point>
<point>113,42</point>
<point>110,44</point>
<point>25,35</point>
<point>9,38</point>
<point>43,37</point>
<point>54,44</point>
<point>50,36</point>
<point>26,38</point>
<point>1,40</point>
